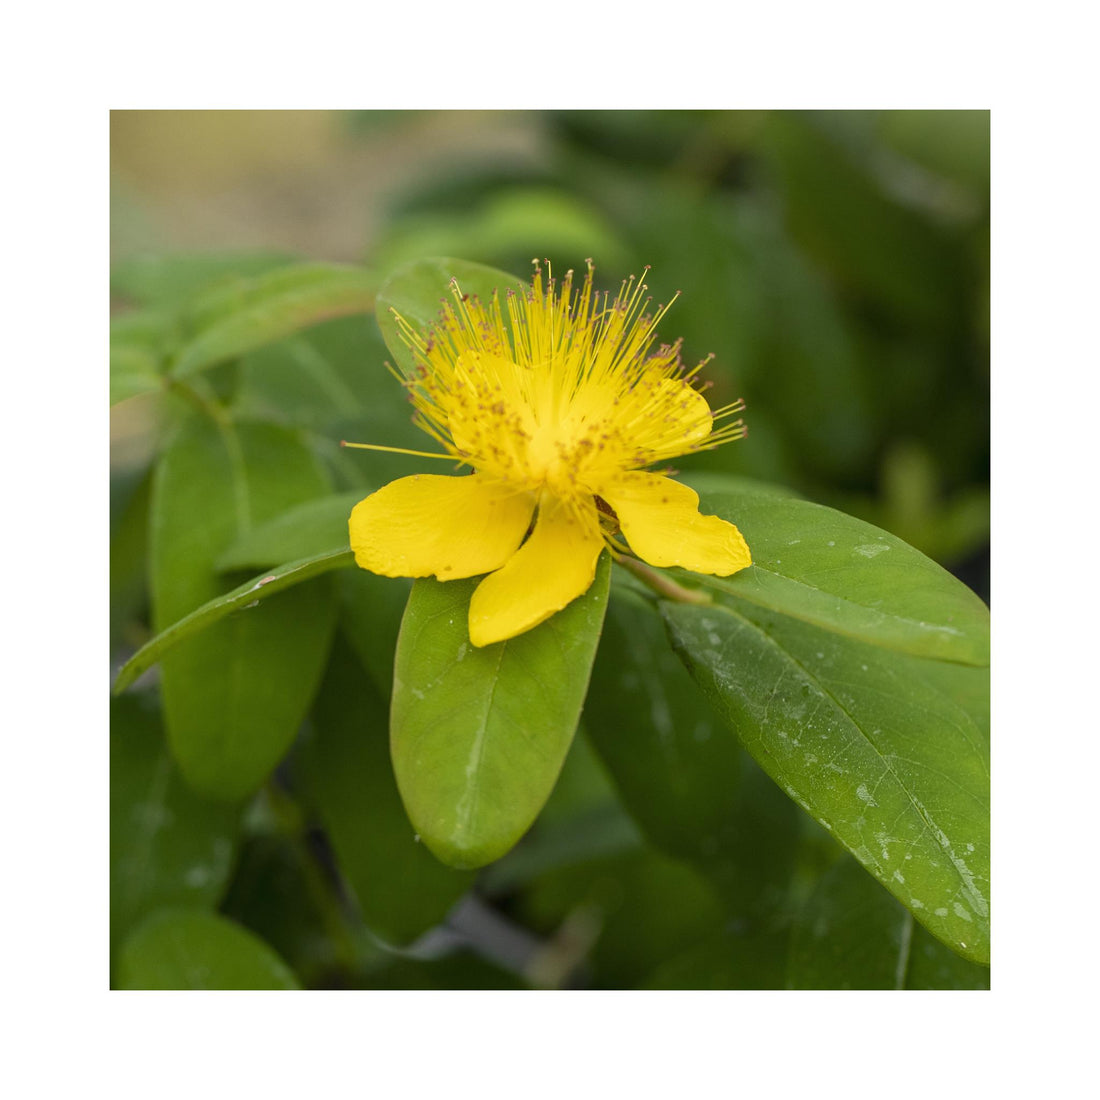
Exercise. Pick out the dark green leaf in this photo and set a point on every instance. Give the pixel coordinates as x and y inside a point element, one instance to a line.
<point>611,922</point>
<point>904,261</point>
<point>168,846</point>
<point>851,934</point>
<point>283,891</point>
<point>889,753</point>
<point>837,572</point>
<point>479,735</point>
<point>402,890</point>
<point>234,694</point>
<point>680,770</point>
<point>250,313</point>
<point>371,608</point>
<point>418,290</point>
<point>180,949</point>
<point>730,959</point>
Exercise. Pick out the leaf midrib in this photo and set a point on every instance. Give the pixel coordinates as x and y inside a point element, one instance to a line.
<point>934,629</point>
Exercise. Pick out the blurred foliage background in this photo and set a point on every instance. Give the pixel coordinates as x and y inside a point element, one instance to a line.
<point>836,265</point>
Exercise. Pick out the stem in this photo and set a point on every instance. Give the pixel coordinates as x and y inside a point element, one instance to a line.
<point>662,584</point>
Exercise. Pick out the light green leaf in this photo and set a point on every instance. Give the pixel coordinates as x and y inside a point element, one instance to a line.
<point>168,846</point>
<point>249,313</point>
<point>890,753</point>
<point>402,890</point>
<point>168,279</point>
<point>180,949</point>
<point>235,694</point>
<point>134,371</point>
<point>680,770</point>
<point>829,569</point>
<point>418,290</point>
<point>139,343</point>
<point>478,736</point>
<point>314,529</point>
<point>851,934</point>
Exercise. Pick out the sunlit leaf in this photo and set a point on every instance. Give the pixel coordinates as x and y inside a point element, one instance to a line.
<point>837,572</point>
<point>249,313</point>
<point>479,735</point>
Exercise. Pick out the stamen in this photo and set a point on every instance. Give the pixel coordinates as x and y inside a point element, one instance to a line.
<point>400,451</point>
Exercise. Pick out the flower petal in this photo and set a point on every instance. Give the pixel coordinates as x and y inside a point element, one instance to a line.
<point>552,568</point>
<point>661,521</point>
<point>428,524</point>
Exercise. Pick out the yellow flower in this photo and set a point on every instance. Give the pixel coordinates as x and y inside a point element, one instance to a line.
<point>559,402</point>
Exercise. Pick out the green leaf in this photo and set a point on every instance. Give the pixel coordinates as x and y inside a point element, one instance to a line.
<point>851,934</point>
<point>167,280</point>
<point>250,313</point>
<point>315,529</point>
<point>418,290</point>
<point>829,569</point>
<point>890,753</point>
<point>731,959</point>
<point>333,380</point>
<point>371,608</point>
<point>179,949</point>
<point>283,891</point>
<point>478,736</point>
<point>243,598</point>
<point>168,846</point>
<point>235,694</point>
<point>681,772</point>
<point>139,344</point>
<point>632,911</point>
<point>134,370</point>
<point>402,890</point>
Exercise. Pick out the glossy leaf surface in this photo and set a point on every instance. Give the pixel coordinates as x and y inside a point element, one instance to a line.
<point>851,934</point>
<point>168,846</point>
<point>181,949</point>
<point>834,571</point>
<point>248,313</point>
<point>418,290</point>
<point>402,890</point>
<point>235,693</point>
<point>889,753</point>
<point>478,736</point>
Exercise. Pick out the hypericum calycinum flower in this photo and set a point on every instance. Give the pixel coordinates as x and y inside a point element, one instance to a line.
<point>558,402</point>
